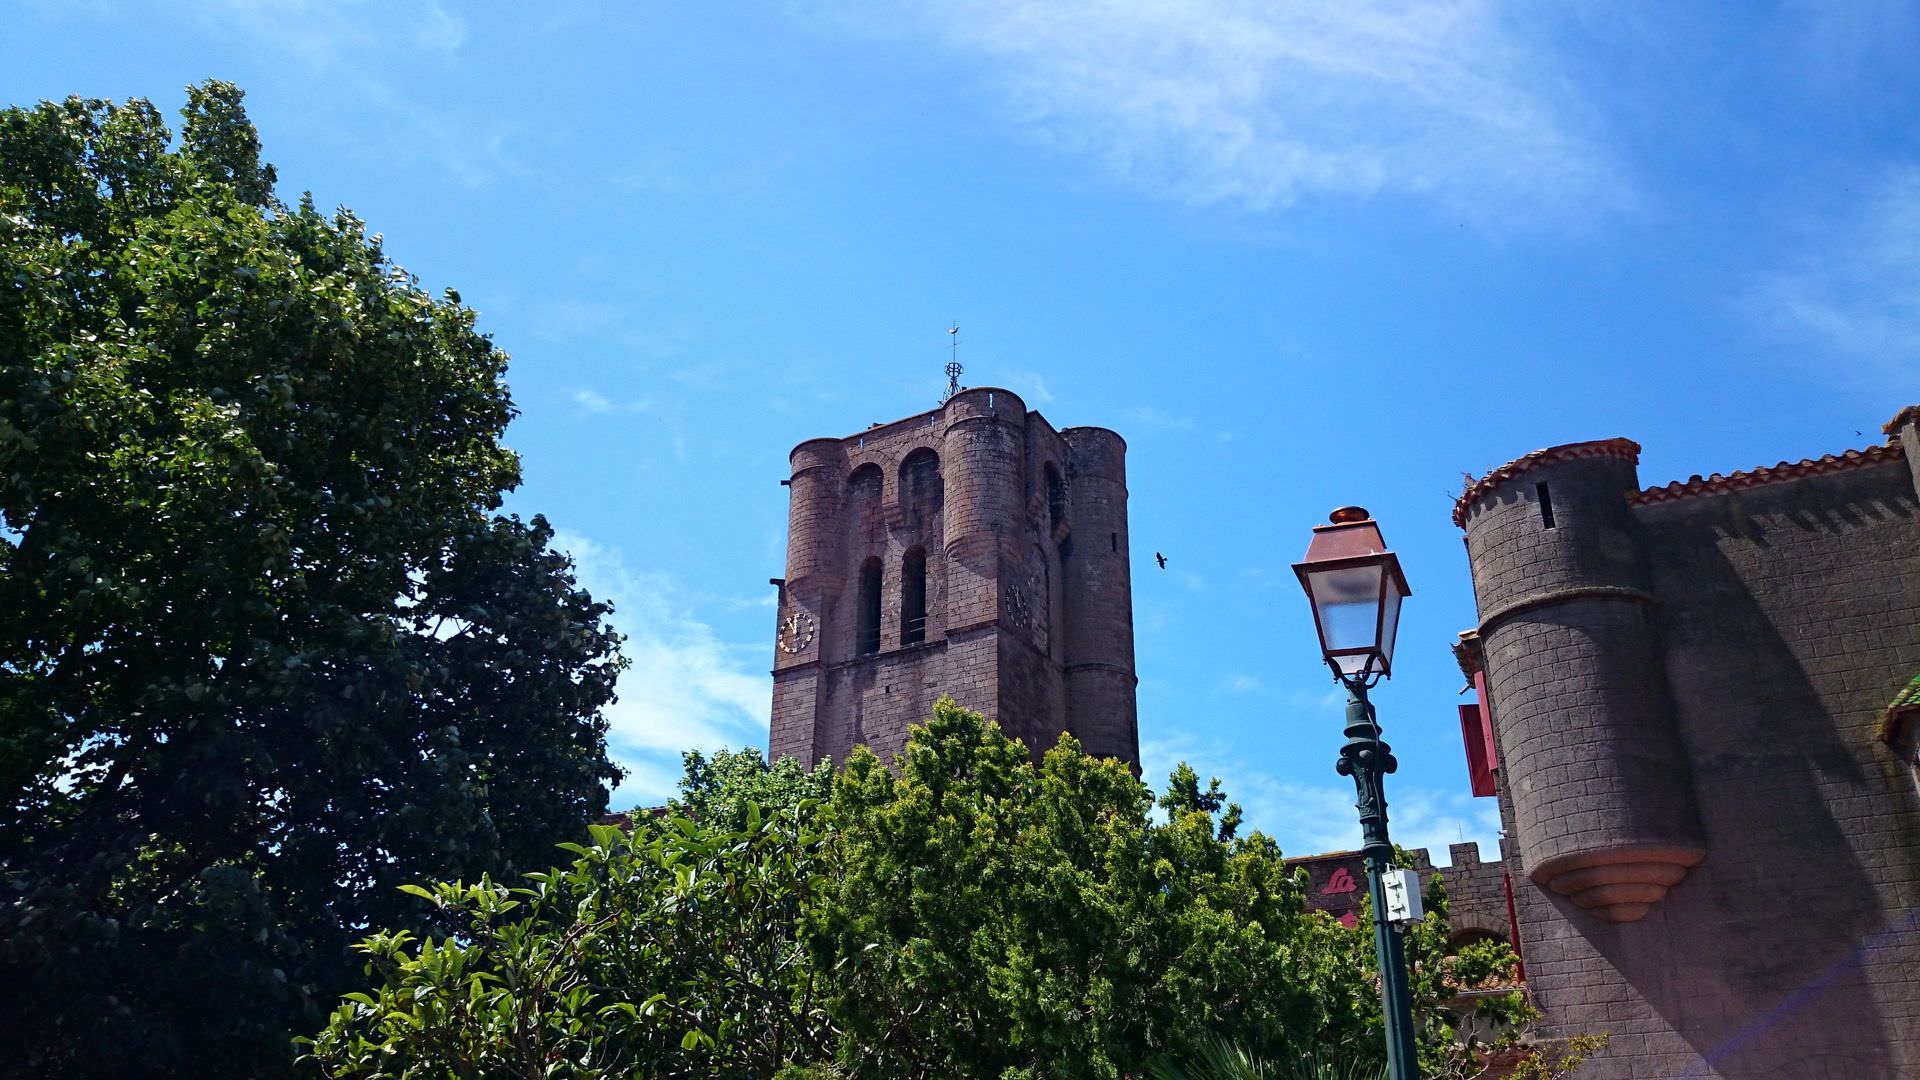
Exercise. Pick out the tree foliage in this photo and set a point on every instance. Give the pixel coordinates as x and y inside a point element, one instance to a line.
<point>969,913</point>
<point>267,648</point>
<point>724,788</point>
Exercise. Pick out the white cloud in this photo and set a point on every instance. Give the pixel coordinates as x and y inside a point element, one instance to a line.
<point>1029,385</point>
<point>1153,416</point>
<point>575,319</point>
<point>1312,818</point>
<point>588,400</point>
<point>324,33</point>
<point>592,401</point>
<point>685,689</point>
<point>348,52</point>
<point>1261,103</point>
<point>1853,289</point>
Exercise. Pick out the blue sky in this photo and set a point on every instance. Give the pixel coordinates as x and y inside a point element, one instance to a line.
<point>1299,255</point>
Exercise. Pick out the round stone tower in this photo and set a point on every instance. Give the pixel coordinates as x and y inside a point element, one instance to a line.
<point>1601,791</point>
<point>813,543</point>
<point>981,468</point>
<point>1098,591</point>
<point>815,574</point>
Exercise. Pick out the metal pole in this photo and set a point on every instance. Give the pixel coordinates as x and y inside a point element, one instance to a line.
<point>1368,760</point>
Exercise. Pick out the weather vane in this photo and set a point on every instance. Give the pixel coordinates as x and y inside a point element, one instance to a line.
<point>953,364</point>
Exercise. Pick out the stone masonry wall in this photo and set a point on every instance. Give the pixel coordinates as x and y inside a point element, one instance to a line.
<point>1786,614</point>
<point>1476,891</point>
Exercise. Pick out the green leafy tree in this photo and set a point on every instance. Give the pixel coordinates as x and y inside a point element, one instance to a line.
<point>988,917</point>
<point>267,647</point>
<point>670,950</point>
<point>722,789</point>
<point>967,913</point>
<point>974,914</point>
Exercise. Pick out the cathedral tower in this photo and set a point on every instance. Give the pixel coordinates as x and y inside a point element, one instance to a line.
<point>972,552</point>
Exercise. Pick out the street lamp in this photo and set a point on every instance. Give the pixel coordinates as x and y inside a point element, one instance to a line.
<point>1355,585</point>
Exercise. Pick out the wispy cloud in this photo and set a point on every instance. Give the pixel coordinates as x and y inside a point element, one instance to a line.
<point>1852,291</point>
<point>1310,818</point>
<point>686,688</point>
<point>328,33</point>
<point>1153,416</point>
<point>1262,104</point>
<point>588,400</point>
<point>592,401</point>
<point>349,49</point>
<point>1029,385</point>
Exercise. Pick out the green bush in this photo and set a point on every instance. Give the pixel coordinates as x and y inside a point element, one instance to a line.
<point>970,913</point>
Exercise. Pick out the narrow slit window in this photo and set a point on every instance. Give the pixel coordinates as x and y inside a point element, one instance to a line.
<point>1546,504</point>
<point>913,597</point>
<point>1114,539</point>
<point>867,640</point>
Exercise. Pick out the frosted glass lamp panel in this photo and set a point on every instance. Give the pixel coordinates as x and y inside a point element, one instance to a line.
<point>1348,603</point>
<point>1389,623</point>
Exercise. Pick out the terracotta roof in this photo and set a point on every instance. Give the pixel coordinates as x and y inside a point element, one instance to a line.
<point>1620,448</point>
<point>1468,653</point>
<point>1908,415</point>
<point>1786,470</point>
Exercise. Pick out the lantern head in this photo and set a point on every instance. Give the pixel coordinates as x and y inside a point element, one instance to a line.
<point>1355,585</point>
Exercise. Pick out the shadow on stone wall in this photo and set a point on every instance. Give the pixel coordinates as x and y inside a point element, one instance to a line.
<point>1758,958</point>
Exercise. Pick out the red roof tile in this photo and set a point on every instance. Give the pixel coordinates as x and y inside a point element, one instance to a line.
<point>1786,470</point>
<point>1620,448</point>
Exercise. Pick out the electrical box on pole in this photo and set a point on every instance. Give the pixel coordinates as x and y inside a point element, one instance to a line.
<point>1403,898</point>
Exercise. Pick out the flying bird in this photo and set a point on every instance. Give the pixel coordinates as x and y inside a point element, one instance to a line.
<point>1162,560</point>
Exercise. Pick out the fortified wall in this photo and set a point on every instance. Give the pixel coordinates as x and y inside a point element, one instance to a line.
<point>1476,890</point>
<point>1710,803</point>
<point>971,551</point>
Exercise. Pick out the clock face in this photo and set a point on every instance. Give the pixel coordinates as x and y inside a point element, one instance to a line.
<point>796,633</point>
<point>1017,612</point>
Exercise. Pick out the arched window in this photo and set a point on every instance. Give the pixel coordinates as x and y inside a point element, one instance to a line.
<point>865,482</point>
<point>1056,497</point>
<point>863,503</point>
<point>1043,604</point>
<point>913,597</point>
<point>920,484</point>
<point>867,640</point>
<point>1472,936</point>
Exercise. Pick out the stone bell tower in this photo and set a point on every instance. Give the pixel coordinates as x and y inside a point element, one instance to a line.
<point>972,552</point>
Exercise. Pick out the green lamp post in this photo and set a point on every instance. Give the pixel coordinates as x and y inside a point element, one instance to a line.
<point>1355,585</point>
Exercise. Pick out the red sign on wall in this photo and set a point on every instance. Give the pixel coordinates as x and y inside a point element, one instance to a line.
<point>1333,884</point>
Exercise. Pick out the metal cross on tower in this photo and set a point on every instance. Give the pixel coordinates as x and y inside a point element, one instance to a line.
<point>953,365</point>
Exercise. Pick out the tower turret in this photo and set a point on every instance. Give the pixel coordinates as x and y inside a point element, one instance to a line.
<point>982,468</point>
<point>1601,790</point>
<point>1099,595</point>
<point>814,578</point>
